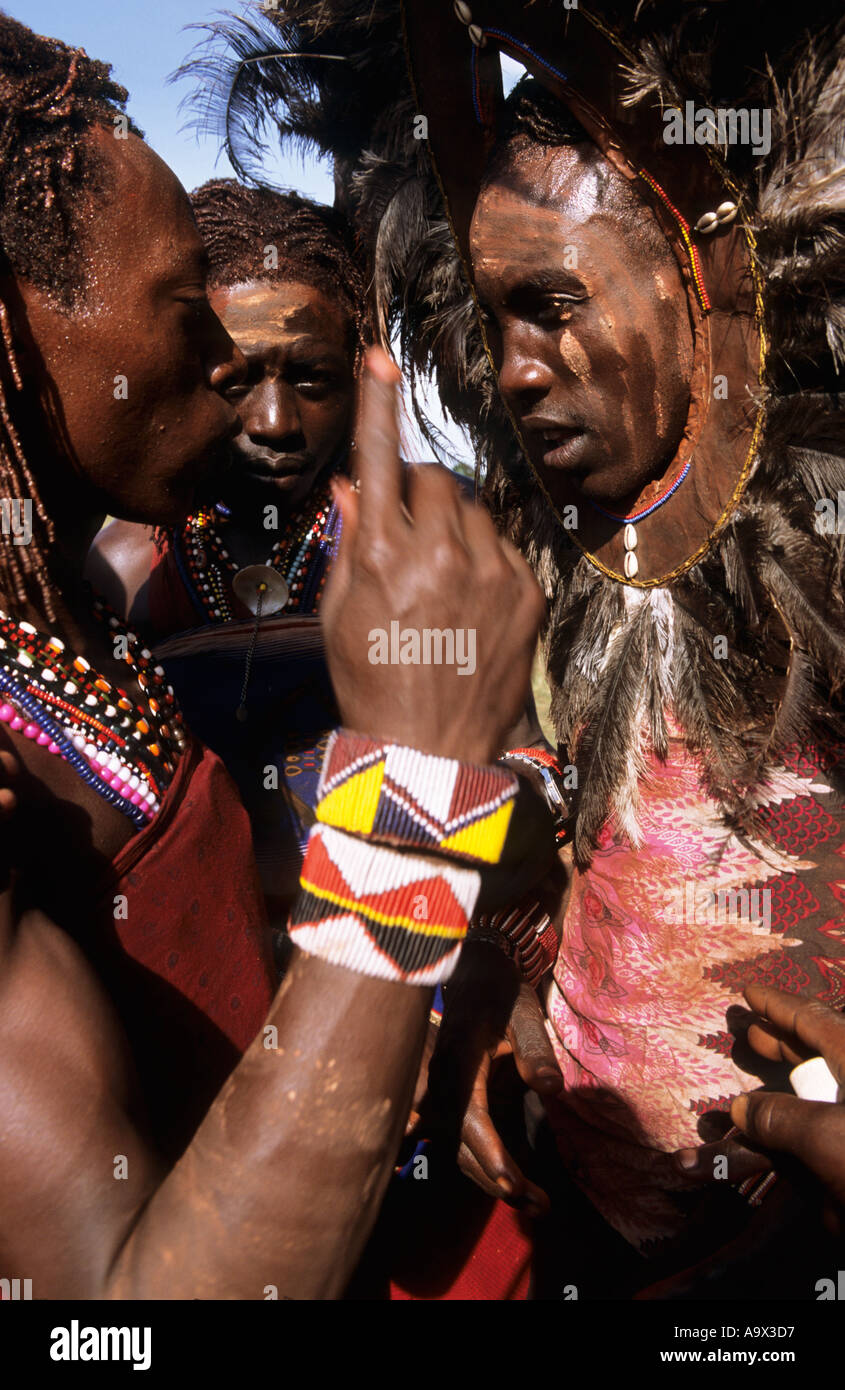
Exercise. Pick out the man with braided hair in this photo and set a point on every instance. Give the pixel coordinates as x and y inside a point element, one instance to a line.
<point>283,277</point>
<point>158,1141</point>
<point>286,285</point>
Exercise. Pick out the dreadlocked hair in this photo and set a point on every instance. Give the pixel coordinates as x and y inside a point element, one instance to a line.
<point>50,96</point>
<point>313,245</point>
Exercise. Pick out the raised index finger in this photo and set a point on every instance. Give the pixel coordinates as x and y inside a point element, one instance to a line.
<point>377,452</point>
<point>814,1024</point>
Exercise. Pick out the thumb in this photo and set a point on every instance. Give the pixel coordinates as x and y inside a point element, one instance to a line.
<point>532,1051</point>
<point>813,1131</point>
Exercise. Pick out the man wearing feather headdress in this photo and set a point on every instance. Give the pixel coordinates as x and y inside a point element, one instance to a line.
<point>644,340</point>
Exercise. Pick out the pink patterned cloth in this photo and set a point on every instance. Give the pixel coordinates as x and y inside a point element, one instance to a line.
<point>658,943</point>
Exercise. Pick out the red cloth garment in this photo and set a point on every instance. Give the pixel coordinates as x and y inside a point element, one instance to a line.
<point>186,956</point>
<point>498,1268</point>
<point>168,601</point>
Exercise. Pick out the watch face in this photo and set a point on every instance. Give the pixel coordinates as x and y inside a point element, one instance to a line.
<point>552,788</point>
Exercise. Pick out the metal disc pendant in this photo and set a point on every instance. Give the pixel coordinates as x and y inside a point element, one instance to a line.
<point>256,582</point>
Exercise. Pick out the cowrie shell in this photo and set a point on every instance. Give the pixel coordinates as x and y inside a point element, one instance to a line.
<point>476,33</point>
<point>631,565</point>
<point>630,536</point>
<point>707,223</point>
<point>463,12</point>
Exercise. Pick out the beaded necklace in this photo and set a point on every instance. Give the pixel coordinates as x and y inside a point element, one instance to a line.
<point>629,536</point>
<point>126,751</point>
<point>301,556</point>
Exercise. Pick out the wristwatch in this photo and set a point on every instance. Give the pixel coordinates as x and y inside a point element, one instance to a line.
<point>547,765</point>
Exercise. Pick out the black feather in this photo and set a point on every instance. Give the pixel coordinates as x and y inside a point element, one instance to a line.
<point>771,565</point>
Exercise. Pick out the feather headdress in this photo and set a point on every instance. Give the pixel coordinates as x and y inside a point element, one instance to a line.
<point>771,580</point>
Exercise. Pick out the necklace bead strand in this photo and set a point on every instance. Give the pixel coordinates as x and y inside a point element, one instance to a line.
<point>211,568</point>
<point>57,742</point>
<point>126,751</point>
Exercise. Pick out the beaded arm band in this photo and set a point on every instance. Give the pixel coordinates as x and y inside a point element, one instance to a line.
<point>526,933</point>
<point>398,796</point>
<point>395,916</point>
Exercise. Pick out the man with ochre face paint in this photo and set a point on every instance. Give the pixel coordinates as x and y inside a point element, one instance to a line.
<point>587,320</point>
<point>286,284</point>
<point>130,912</point>
<point>588,325</point>
<point>283,277</point>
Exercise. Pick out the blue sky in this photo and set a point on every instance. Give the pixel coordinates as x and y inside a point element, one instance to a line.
<point>145,40</point>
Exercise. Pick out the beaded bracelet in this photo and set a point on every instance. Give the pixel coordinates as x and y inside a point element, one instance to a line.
<point>526,933</point>
<point>395,916</point>
<point>398,796</point>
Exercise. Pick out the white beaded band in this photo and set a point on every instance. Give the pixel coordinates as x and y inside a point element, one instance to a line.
<point>395,916</point>
<point>399,796</point>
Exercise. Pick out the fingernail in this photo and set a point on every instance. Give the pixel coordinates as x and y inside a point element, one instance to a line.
<point>381,366</point>
<point>686,1158</point>
<point>739,1111</point>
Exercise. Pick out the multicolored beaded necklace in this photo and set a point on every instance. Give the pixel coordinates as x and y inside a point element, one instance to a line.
<point>302,556</point>
<point>126,751</point>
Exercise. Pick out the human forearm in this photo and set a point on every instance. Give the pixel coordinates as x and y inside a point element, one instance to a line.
<point>283,1180</point>
<point>295,1152</point>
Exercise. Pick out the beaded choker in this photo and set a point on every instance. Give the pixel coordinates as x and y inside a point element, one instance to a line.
<point>632,565</point>
<point>126,751</point>
<point>301,556</point>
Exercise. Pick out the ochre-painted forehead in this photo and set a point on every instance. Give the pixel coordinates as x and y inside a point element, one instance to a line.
<point>512,238</point>
<point>259,311</point>
<point>569,178</point>
<point>541,205</point>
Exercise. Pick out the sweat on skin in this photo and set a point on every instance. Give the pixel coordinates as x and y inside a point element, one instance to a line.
<point>594,349</point>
